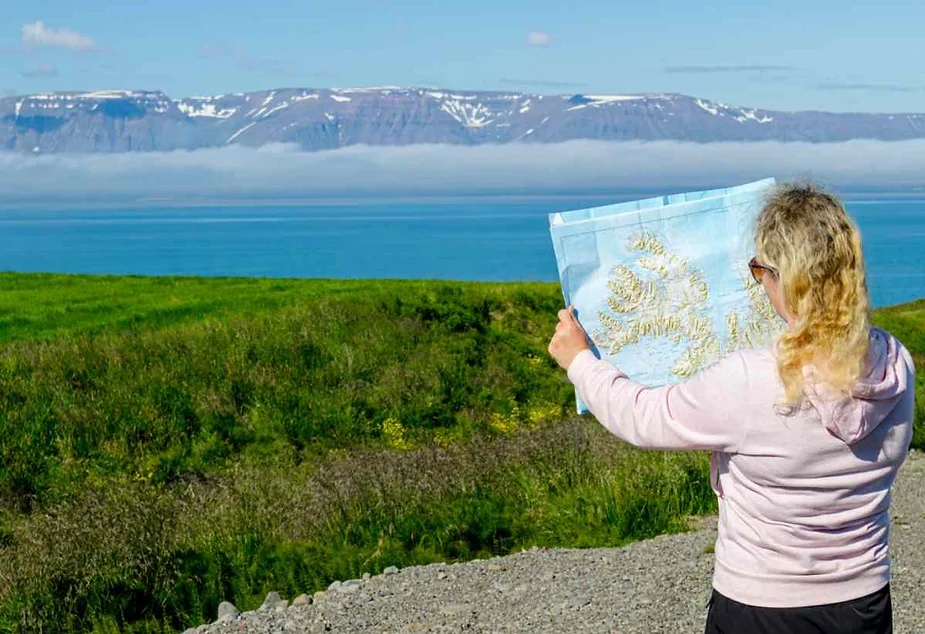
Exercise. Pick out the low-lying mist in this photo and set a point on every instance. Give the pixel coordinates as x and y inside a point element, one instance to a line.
<point>283,171</point>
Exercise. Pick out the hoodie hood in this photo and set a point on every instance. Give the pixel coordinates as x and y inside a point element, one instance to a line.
<point>876,393</point>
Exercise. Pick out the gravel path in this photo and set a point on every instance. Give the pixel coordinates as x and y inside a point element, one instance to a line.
<point>658,585</point>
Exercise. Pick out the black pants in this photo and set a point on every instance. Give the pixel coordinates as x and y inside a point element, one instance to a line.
<point>872,614</point>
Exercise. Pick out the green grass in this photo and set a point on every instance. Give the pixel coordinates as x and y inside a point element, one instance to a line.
<point>168,443</point>
<point>907,322</point>
<point>37,306</point>
<point>145,555</point>
<point>179,398</point>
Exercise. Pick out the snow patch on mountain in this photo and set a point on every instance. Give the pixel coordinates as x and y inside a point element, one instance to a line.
<point>706,105</point>
<point>749,115</point>
<point>275,109</point>
<point>205,110</point>
<point>239,132</point>
<point>602,99</point>
<point>370,89</point>
<point>470,115</point>
<point>111,94</point>
<point>596,101</point>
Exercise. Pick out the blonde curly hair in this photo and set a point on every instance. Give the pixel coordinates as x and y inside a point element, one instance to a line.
<point>806,235</point>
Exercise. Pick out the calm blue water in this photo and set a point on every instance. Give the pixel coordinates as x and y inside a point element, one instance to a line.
<point>468,239</point>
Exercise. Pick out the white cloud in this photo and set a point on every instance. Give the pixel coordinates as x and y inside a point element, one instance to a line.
<point>539,38</point>
<point>284,171</point>
<point>37,34</point>
<point>45,70</point>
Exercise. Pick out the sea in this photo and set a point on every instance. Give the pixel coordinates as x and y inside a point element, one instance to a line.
<point>498,238</point>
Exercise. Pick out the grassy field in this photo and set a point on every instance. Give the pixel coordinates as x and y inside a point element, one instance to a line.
<point>168,443</point>
<point>40,306</point>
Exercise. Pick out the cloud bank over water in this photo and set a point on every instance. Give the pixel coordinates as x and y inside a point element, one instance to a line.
<point>281,171</point>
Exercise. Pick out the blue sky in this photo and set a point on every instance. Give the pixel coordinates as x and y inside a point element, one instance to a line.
<point>795,56</point>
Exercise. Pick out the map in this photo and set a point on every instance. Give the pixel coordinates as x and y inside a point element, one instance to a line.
<point>662,285</point>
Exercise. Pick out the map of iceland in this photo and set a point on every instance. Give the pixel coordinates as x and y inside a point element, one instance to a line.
<point>662,285</point>
<point>670,298</point>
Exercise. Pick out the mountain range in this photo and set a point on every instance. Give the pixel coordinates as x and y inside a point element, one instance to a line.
<point>322,119</point>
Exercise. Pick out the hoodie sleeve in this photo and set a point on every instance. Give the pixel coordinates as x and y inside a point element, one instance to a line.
<point>707,411</point>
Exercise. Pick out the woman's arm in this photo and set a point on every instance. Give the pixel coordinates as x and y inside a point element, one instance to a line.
<point>708,411</point>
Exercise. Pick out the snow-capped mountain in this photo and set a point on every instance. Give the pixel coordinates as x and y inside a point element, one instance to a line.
<point>138,121</point>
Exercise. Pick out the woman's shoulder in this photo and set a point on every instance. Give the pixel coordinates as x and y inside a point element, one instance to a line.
<point>891,345</point>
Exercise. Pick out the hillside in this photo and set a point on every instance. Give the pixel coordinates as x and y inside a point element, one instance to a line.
<point>321,119</point>
<point>169,443</point>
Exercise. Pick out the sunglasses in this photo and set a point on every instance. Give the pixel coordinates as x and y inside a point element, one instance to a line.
<point>758,270</point>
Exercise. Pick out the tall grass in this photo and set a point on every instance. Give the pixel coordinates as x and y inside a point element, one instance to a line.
<point>149,556</point>
<point>907,322</point>
<point>188,400</point>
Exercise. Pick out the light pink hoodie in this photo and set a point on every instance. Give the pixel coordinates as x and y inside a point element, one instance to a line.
<point>803,498</point>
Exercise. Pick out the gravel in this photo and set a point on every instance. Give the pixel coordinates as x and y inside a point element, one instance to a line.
<point>657,585</point>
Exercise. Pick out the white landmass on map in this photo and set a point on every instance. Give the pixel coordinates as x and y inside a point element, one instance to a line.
<point>664,296</point>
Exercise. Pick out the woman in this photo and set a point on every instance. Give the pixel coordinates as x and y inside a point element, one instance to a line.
<point>807,433</point>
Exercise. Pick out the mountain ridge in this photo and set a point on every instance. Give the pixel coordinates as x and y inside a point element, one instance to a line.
<point>112,121</point>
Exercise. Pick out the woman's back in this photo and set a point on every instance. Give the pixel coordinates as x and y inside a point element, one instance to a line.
<point>803,495</point>
<point>804,500</point>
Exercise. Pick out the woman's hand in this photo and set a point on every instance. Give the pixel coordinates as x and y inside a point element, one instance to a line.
<point>569,340</point>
